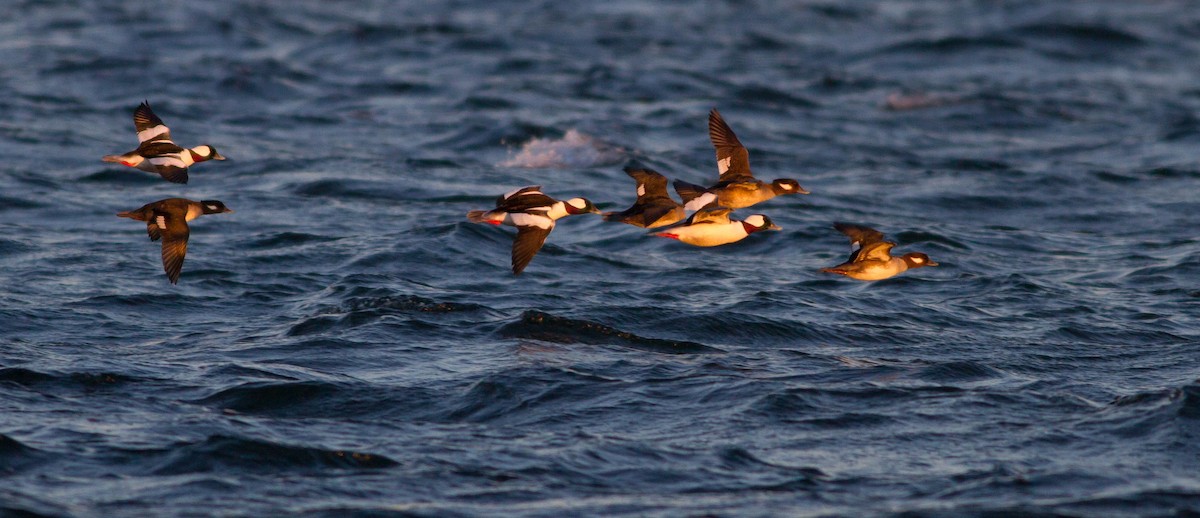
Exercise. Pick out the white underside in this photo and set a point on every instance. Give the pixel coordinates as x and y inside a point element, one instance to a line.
<point>711,234</point>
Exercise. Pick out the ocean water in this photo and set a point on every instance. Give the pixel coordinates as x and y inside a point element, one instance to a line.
<point>347,344</point>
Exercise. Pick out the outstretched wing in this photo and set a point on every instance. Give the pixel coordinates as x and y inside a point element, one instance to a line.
<point>149,127</point>
<point>733,161</point>
<point>526,245</point>
<point>174,232</point>
<point>651,184</point>
<point>877,251</point>
<point>166,157</point>
<point>867,243</point>
<point>524,199</point>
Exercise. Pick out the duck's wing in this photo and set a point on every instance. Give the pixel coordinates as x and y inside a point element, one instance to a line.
<point>524,200</point>
<point>866,242</point>
<point>733,160</point>
<point>877,251</point>
<point>718,215</point>
<point>149,127</point>
<point>174,232</point>
<point>527,243</point>
<point>651,184</point>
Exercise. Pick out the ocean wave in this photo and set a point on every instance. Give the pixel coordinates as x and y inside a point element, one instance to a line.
<point>219,452</point>
<point>574,149</point>
<point>536,325</point>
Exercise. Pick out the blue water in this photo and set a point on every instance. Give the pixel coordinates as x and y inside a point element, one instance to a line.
<point>346,343</point>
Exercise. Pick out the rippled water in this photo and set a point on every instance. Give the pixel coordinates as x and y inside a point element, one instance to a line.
<point>346,342</point>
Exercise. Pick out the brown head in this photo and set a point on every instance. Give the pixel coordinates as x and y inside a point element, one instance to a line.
<point>917,260</point>
<point>787,186</point>
<point>214,207</point>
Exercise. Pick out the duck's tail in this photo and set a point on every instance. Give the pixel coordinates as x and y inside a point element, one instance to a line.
<point>483,216</point>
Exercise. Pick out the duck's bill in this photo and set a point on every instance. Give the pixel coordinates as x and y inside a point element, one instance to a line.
<point>931,263</point>
<point>218,156</point>
<point>774,227</point>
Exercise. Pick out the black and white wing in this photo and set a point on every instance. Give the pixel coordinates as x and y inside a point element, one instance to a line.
<point>733,160</point>
<point>149,127</point>
<point>524,199</point>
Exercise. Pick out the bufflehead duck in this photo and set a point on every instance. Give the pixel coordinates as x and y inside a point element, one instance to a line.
<point>167,219</point>
<point>654,206</point>
<point>712,227</point>
<point>156,153</point>
<point>534,214</point>
<point>737,187</point>
<point>871,260</point>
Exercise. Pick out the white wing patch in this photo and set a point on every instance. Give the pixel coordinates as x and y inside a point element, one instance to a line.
<point>161,222</point>
<point>723,164</point>
<point>510,194</point>
<point>641,189</point>
<point>522,219</point>
<point>699,202</point>
<point>150,133</point>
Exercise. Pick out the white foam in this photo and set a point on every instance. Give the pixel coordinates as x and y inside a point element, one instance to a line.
<point>574,149</point>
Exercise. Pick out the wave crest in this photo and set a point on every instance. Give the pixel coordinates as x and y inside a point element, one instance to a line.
<point>574,149</point>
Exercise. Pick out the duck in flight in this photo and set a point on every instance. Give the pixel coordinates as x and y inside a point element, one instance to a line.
<point>871,259</point>
<point>534,214</point>
<point>157,153</point>
<point>712,227</point>
<point>168,220</point>
<point>654,206</point>
<point>737,187</point>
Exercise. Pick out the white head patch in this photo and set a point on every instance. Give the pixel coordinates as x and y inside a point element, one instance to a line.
<point>787,186</point>
<point>918,260</point>
<point>578,203</point>
<point>641,189</point>
<point>723,164</point>
<point>211,207</point>
<point>202,150</point>
<point>756,220</point>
